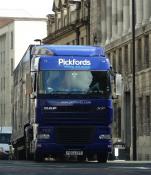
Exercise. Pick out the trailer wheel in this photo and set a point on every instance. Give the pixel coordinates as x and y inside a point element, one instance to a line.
<point>102,158</point>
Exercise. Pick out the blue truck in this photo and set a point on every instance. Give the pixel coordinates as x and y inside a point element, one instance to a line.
<point>62,103</point>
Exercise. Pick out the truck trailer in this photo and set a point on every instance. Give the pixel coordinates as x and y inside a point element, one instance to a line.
<point>62,103</point>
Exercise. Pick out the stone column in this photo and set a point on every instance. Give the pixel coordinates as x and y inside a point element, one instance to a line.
<point>130,57</point>
<point>120,17</point>
<point>150,53</point>
<point>103,21</point>
<point>130,16</point>
<point>146,11</point>
<point>56,19</point>
<point>108,20</point>
<point>139,13</point>
<point>126,16</point>
<point>62,17</point>
<point>114,19</point>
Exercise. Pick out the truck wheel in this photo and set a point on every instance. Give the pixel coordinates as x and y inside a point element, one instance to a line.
<point>59,158</point>
<point>81,158</point>
<point>102,158</point>
<point>91,157</point>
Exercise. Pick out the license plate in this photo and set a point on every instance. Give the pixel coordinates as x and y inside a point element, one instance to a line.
<point>74,153</point>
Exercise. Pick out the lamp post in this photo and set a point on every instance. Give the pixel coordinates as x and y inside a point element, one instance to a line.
<point>134,93</point>
<point>38,40</point>
<point>88,5</point>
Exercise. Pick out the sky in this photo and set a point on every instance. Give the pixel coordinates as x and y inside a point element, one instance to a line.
<point>33,8</point>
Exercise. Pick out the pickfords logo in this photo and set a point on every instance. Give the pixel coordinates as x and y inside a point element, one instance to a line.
<point>73,62</point>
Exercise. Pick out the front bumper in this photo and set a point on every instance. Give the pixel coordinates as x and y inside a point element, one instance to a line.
<point>52,148</point>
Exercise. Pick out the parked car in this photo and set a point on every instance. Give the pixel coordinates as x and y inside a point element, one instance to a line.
<point>5,136</point>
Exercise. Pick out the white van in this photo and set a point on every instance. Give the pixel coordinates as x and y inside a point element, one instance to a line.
<point>5,136</point>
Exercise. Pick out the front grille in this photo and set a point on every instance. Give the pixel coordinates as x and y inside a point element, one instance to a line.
<point>74,135</point>
<point>63,118</point>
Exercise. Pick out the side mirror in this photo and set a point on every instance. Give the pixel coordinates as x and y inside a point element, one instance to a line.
<point>118,84</point>
<point>28,84</point>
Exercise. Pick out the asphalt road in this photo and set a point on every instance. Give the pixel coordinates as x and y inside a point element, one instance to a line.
<point>74,168</point>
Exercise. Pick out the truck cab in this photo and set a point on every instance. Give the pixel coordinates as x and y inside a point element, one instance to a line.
<point>62,104</point>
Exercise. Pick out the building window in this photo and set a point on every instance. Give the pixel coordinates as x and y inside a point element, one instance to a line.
<point>4,83</point>
<point>114,61</point>
<point>59,23</point>
<point>4,111</point>
<point>12,41</point>
<point>65,20</point>
<point>73,42</point>
<point>146,52</point>
<point>12,65</point>
<point>82,41</point>
<point>120,61</point>
<point>119,122</point>
<point>1,109</point>
<point>1,83</point>
<point>140,112</point>
<point>139,58</point>
<point>130,57</point>
<point>3,57</point>
<point>126,59</point>
<point>147,112</point>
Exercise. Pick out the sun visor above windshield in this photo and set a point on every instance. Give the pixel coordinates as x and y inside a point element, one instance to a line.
<point>69,50</point>
<point>73,63</point>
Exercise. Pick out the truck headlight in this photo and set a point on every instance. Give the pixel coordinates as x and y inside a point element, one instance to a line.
<point>43,136</point>
<point>105,136</point>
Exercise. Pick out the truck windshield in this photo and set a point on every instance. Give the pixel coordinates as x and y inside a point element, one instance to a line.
<point>5,138</point>
<point>74,82</point>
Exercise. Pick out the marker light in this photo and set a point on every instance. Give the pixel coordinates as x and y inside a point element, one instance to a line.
<point>105,136</point>
<point>43,136</point>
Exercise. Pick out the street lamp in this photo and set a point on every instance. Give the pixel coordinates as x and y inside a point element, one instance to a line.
<point>134,93</point>
<point>38,40</point>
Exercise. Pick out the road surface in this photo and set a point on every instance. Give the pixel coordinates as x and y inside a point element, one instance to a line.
<point>74,168</point>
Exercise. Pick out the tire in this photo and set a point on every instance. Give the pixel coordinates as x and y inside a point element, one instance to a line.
<point>81,158</point>
<point>59,158</point>
<point>102,158</point>
<point>91,157</point>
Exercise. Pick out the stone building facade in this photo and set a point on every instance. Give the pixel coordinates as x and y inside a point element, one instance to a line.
<point>16,34</point>
<point>69,24</point>
<point>111,27</point>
